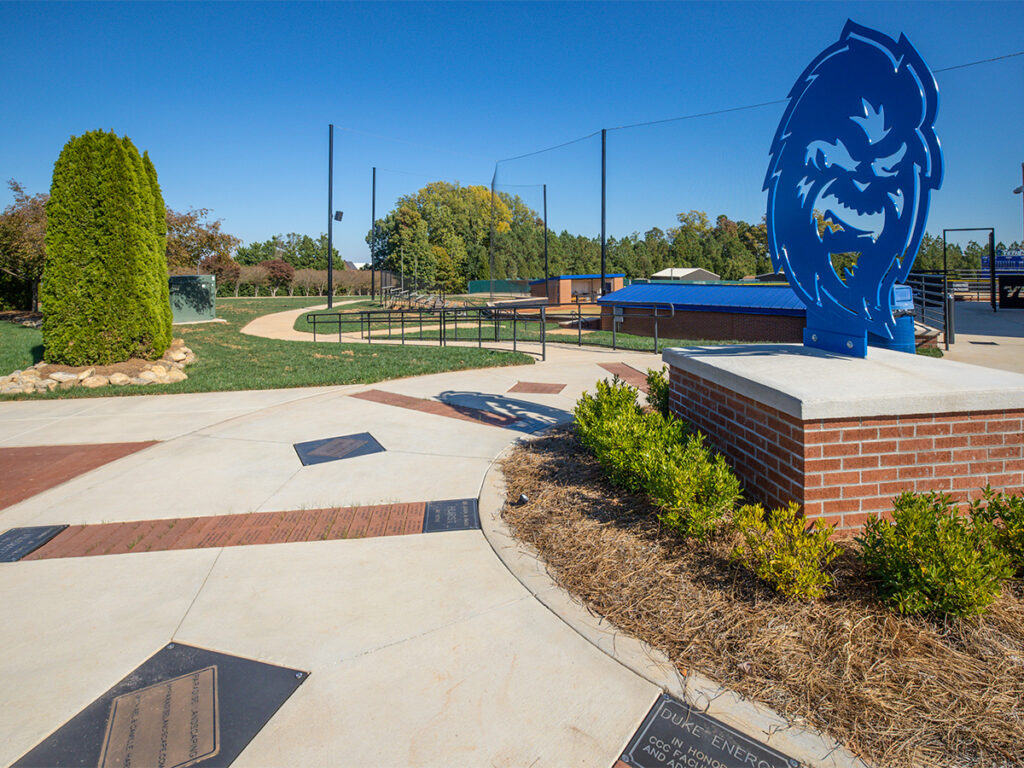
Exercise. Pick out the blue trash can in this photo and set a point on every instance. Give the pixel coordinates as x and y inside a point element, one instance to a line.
<point>903,339</point>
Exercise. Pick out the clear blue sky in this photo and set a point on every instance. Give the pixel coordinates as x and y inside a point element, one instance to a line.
<point>233,100</point>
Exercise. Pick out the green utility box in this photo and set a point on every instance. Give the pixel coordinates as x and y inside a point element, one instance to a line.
<point>193,298</point>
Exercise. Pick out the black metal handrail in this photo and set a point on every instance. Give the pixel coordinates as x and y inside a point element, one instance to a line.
<point>409,324</point>
<point>933,302</point>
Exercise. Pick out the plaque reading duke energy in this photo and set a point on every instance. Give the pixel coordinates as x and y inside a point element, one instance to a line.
<point>183,707</point>
<point>674,735</point>
<point>451,515</point>
<point>334,448</point>
<point>18,542</point>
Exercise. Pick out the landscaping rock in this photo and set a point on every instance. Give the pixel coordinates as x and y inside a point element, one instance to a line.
<point>141,382</point>
<point>61,376</point>
<point>92,382</point>
<point>175,376</point>
<point>119,379</point>
<point>148,376</point>
<point>50,385</point>
<point>86,374</point>
<point>176,355</point>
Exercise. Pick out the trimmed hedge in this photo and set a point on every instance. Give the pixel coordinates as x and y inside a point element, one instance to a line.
<point>104,290</point>
<point>783,550</point>
<point>691,485</point>
<point>932,559</point>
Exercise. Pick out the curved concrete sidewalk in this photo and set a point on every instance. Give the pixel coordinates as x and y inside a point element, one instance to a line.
<point>422,649</point>
<point>281,325</point>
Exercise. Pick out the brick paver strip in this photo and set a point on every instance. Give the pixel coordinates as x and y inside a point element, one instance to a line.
<point>32,469</point>
<point>462,412</point>
<point>537,388</point>
<point>628,374</point>
<point>234,530</point>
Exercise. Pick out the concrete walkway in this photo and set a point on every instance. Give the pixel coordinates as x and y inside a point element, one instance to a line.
<point>422,650</point>
<point>984,337</point>
<point>281,325</point>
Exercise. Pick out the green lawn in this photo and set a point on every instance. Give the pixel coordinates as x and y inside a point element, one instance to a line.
<point>228,360</point>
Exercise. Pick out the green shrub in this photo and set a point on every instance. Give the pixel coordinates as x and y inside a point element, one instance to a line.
<point>785,552</point>
<point>692,487</point>
<point>657,390</point>
<point>932,559</point>
<point>1006,515</point>
<point>104,289</point>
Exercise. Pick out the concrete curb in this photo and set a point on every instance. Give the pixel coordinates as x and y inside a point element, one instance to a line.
<point>755,720</point>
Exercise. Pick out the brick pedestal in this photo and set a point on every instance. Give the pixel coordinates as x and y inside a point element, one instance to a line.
<point>841,436</point>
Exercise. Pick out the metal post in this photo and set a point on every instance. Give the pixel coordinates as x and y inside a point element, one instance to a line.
<point>992,267</point>
<point>515,318</point>
<point>546,277</point>
<point>655,330</point>
<point>614,327</point>
<point>403,326</point>
<point>579,327</point>
<point>604,165</point>
<point>313,319</point>
<point>330,216</point>
<point>339,327</point>
<point>543,334</point>
<point>373,236</point>
<point>951,320</point>
<point>479,328</point>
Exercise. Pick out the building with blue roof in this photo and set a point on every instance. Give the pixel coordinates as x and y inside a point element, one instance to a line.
<point>716,312</point>
<point>574,289</point>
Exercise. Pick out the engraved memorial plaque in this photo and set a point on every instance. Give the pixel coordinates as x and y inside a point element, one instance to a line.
<point>451,515</point>
<point>18,542</point>
<point>674,735</point>
<point>334,448</point>
<point>182,707</point>
<point>174,723</point>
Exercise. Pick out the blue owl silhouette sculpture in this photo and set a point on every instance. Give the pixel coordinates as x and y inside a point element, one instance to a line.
<point>853,163</point>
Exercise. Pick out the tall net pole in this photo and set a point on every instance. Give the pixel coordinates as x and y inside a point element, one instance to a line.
<point>604,166</point>
<point>330,216</point>
<point>373,236</point>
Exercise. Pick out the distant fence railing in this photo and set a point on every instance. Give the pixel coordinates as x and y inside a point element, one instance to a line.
<point>500,286</point>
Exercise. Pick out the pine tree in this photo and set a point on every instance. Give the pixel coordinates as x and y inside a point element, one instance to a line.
<point>104,287</point>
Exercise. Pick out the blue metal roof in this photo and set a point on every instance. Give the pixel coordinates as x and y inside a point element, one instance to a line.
<point>749,299</point>
<point>578,277</point>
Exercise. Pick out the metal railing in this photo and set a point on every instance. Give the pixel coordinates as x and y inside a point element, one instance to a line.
<point>483,325</point>
<point>450,323</point>
<point>933,302</point>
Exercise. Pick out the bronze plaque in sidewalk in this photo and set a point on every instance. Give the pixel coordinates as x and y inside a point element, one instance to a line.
<point>182,707</point>
<point>174,723</point>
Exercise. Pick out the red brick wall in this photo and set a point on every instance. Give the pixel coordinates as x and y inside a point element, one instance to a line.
<point>714,326</point>
<point>844,470</point>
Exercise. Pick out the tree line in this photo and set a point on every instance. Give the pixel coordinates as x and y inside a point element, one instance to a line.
<point>440,237</point>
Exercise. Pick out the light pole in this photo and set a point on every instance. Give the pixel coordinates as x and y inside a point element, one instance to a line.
<point>1020,191</point>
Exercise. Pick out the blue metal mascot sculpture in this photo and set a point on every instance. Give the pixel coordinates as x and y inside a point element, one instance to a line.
<point>856,146</point>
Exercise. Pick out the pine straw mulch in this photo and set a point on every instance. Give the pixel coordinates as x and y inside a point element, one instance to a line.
<point>897,691</point>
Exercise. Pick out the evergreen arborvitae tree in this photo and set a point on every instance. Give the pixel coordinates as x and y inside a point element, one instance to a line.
<point>104,287</point>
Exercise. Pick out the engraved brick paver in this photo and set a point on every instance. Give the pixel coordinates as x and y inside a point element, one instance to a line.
<point>32,469</point>
<point>628,374</point>
<point>234,530</point>
<point>537,388</point>
<point>461,412</point>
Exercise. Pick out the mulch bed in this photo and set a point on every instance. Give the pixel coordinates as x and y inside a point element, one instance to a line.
<point>898,691</point>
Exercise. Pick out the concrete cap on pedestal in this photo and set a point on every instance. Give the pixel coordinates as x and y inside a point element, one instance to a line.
<point>813,384</point>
